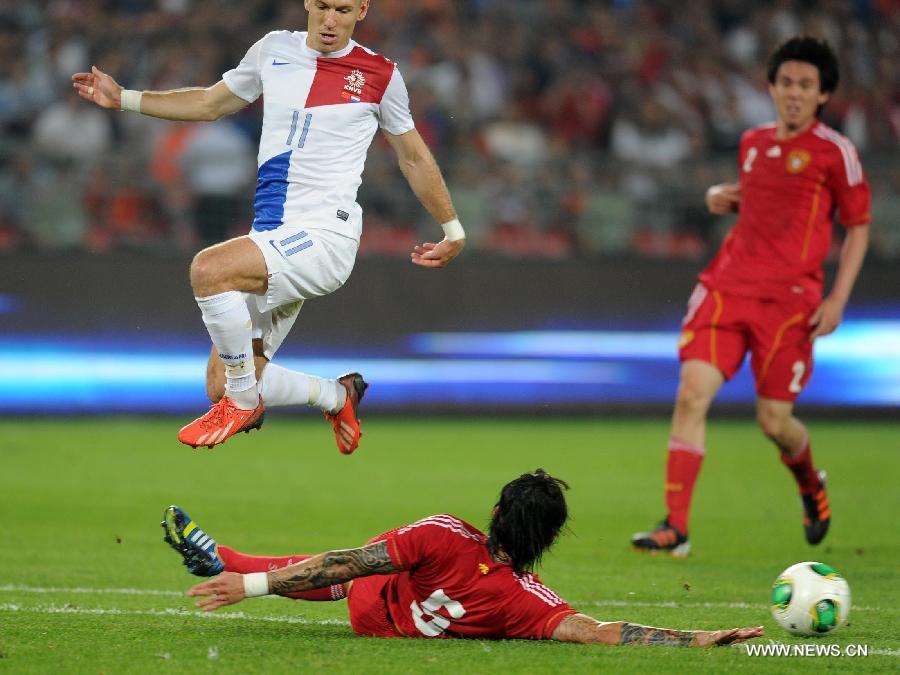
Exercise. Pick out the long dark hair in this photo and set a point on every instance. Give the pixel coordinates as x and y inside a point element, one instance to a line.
<point>812,50</point>
<point>529,514</point>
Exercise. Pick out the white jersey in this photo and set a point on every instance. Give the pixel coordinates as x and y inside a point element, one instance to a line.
<point>321,112</point>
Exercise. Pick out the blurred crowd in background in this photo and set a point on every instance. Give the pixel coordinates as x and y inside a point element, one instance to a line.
<point>564,127</point>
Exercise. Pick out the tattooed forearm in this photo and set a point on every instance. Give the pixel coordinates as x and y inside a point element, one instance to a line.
<point>334,567</point>
<point>585,629</point>
<point>633,633</point>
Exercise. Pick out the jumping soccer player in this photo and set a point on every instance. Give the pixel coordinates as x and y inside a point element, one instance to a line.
<point>762,293</point>
<point>325,96</point>
<point>437,577</point>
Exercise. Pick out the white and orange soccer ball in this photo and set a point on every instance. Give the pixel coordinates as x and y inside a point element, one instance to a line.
<point>810,598</point>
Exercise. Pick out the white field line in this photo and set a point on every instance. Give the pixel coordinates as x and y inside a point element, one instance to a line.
<point>226,616</point>
<point>663,604</point>
<point>114,611</point>
<point>671,604</point>
<point>17,588</point>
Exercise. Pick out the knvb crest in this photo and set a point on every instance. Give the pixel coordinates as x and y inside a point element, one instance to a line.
<point>356,80</point>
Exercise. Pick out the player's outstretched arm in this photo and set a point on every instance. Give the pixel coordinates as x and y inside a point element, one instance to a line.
<point>828,315</point>
<point>325,569</point>
<point>196,104</point>
<point>424,176</point>
<point>587,630</point>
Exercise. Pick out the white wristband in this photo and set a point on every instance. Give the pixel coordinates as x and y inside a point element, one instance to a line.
<point>256,584</point>
<point>131,100</point>
<point>453,230</point>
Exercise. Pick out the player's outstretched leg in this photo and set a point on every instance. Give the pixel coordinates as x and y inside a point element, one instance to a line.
<point>665,539</point>
<point>223,420</point>
<point>345,421</point>
<point>816,512</point>
<point>197,549</point>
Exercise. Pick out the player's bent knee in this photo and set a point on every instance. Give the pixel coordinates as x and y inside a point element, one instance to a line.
<point>203,270</point>
<point>771,422</point>
<point>692,399</point>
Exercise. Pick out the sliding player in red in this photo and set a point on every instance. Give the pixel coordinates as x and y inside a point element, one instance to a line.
<point>762,293</point>
<point>437,577</point>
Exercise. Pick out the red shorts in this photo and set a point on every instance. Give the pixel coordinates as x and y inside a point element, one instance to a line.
<point>368,609</point>
<point>720,329</point>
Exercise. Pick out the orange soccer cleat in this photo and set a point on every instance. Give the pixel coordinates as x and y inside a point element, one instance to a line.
<point>665,539</point>
<point>345,423</point>
<point>221,422</point>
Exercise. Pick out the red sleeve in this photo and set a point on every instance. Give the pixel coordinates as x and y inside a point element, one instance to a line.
<point>534,611</point>
<point>556,619</point>
<point>852,195</point>
<point>416,543</point>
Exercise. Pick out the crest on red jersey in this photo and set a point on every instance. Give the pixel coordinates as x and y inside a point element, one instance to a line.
<point>797,161</point>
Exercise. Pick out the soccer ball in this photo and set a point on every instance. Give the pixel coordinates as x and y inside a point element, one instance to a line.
<point>810,598</point>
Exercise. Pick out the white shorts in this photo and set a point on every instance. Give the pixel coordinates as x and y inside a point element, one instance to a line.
<point>303,263</point>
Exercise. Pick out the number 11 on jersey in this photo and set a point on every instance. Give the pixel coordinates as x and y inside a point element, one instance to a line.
<point>306,122</point>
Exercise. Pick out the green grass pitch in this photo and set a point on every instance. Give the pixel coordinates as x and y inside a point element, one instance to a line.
<point>87,586</point>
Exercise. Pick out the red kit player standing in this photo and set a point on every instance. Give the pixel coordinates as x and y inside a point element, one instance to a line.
<point>762,293</point>
<point>438,577</point>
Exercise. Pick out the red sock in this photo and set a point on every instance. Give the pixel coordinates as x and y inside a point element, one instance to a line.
<point>801,466</point>
<point>682,468</point>
<point>245,564</point>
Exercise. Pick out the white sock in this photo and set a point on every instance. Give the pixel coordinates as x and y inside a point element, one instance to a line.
<point>332,395</point>
<point>280,386</point>
<point>228,322</point>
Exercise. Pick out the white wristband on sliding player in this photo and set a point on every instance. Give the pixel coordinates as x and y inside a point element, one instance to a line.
<point>453,230</point>
<point>256,584</point>
<point>131,100</point>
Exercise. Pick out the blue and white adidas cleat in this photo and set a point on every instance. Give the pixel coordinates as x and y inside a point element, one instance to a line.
<point>197,549</point>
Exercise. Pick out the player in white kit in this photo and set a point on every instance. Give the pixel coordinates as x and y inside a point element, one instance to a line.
<point>325,96</point>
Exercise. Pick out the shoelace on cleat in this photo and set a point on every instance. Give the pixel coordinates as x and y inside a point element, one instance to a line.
<point>819,506</point>
<point>215,418</point>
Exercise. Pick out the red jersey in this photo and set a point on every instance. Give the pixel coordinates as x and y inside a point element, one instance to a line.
<point>790,190</point>
<point>450,586</point>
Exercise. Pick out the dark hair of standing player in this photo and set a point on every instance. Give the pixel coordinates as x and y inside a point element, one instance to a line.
<point>527,518</point>
<point>812,50</point>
